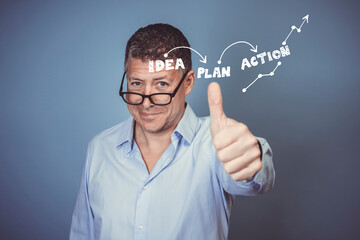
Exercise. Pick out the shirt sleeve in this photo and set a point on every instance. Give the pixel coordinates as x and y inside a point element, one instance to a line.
<point>263,180</point>
<point>82,223</point>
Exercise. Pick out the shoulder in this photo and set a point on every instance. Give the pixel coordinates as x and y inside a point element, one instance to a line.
<point>204,126</point>
<point>113,135</point>
<point>203,133</point>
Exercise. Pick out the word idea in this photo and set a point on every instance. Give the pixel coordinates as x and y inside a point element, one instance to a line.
<point>168,65</point>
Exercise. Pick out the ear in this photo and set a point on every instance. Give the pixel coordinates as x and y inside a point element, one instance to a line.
<point>189,82</point>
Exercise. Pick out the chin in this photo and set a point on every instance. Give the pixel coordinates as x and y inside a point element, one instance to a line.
<point>151,127</point>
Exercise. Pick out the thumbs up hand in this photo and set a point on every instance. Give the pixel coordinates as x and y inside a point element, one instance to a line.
<point>237,148</point>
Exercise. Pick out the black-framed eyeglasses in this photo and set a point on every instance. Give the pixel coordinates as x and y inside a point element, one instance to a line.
<point>160,99</point>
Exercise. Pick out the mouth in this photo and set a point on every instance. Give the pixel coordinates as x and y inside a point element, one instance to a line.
<point>148,116</point>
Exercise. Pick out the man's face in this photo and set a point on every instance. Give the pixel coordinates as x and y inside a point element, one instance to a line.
<point>152,118</point>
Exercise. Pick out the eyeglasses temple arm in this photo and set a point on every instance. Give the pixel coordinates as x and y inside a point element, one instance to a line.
<point>177,88</point>
<point>121,86</point>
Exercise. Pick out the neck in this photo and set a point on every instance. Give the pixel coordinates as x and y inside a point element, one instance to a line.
<point>155,140</point>
<point>149,139</point>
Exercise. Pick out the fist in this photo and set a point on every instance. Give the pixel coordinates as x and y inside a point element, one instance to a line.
<point>237,148</point>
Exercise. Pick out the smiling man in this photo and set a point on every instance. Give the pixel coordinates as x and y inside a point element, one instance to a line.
<point>165,173</point>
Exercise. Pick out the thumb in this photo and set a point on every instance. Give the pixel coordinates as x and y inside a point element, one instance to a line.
<point>217,115</point>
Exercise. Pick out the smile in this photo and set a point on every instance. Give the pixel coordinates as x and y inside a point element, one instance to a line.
<point>148,115</point>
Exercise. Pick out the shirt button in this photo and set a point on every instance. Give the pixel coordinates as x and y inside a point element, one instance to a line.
<point>141,227</point>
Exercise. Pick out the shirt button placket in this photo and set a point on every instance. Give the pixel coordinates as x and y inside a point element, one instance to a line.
<point>141,214</point>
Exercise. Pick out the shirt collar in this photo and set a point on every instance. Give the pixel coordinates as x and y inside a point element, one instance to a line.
<point>187,124</point>
<point>186,128</point>
<point>127,134</point>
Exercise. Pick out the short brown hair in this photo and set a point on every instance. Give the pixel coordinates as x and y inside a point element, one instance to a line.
<point>153,41</point>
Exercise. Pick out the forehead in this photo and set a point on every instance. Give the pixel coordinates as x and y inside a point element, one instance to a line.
<point>139,69</point>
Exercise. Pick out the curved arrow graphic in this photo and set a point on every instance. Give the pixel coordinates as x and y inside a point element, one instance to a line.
<point>203,58</point>
<point>253,49</point>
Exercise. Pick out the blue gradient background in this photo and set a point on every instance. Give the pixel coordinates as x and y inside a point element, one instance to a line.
<point>60,69</point>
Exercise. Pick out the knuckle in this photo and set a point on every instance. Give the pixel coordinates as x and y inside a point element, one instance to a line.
<point>250,172</point>
<point>220,155</point>
<point>241,127</point>
<point>258,166</point>
<point>254,141</point>
<point>234,177</point>
<point>216,142</point>
<point>227,168</point>
<point>256,153</point>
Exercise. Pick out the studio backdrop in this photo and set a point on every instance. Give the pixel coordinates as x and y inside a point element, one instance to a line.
<point>61,64</point>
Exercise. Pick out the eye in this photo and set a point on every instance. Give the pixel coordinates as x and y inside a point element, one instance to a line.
<point>163,84</point>
<point>135,83</point>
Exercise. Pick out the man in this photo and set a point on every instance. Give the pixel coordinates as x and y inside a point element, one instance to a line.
<point>165,173</point>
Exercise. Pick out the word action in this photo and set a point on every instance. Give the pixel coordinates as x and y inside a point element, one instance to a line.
<point>276,54</point>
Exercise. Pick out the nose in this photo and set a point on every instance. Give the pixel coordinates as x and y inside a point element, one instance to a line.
<point>146,103</point>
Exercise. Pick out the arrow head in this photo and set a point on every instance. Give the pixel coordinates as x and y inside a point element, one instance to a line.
<point>306,18</point>
<point>254,49</point>
<point>203,60</point>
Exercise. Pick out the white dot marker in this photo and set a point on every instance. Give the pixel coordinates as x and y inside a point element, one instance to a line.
<point>166,55</point>
<point>299,30</point>
<point>244,90</point>
<point>279,63</point>
<point>219,62</point>
<point>272,74</point>
<point>284,43</point>
<point>260,75</point>
<point>293,27</point>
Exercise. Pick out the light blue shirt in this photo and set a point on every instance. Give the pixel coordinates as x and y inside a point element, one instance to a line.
<point>187,195</point>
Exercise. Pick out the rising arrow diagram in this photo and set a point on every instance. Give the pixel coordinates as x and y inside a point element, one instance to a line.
<point>253,49</point>
<point>262,75</point>
<point>203,59</point>
<point>306,18</point>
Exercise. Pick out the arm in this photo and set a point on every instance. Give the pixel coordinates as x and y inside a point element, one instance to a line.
<point>82,223</point>
<point>261,182</point>
<point>243,166</point>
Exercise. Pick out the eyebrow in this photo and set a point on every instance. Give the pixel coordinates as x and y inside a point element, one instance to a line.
<point>154,79</point>
<point>134,78</point>
<point>160,78</point>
